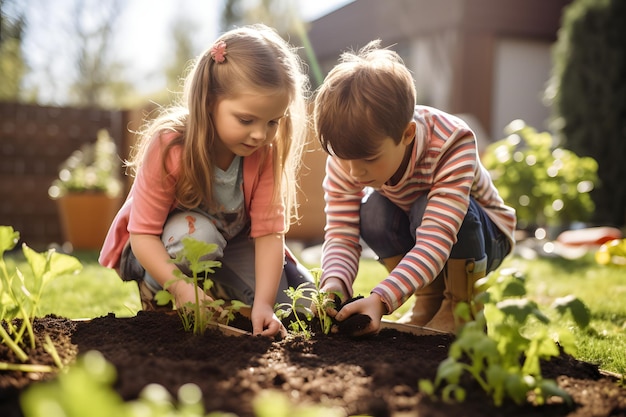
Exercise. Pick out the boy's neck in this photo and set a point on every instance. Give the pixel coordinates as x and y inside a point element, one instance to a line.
<point>402,169</point>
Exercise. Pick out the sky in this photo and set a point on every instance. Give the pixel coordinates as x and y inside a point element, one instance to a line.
<point>142,39</point>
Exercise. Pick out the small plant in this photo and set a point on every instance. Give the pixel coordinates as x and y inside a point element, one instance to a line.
<point>315,298</point>
<point>93,167</point>
<point>505,359</point>
<point>20,298</point>
<point>197,315</point>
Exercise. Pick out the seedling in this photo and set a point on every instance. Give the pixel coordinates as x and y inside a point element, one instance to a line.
<point>502,348</point>
<point>315,298</point>
<point>20,298</point>
<point>196,315</point>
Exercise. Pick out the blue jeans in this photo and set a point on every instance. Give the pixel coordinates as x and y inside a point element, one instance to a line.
<point>389,232</point>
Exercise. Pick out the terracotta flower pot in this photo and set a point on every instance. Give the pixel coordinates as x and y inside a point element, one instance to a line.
<point>86,217</point>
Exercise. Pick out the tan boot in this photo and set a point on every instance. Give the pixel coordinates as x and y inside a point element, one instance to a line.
<point>460,275</point>
<point>427,302</point>
<point>427,299</point>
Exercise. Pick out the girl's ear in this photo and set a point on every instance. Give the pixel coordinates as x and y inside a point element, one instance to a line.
<point>409,133</point>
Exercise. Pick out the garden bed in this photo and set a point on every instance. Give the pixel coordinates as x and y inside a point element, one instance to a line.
<point>376,376</point>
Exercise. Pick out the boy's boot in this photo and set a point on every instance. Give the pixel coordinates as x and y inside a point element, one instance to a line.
<point>427,302</point>
<point>460,275</point>
<point>427,299</point>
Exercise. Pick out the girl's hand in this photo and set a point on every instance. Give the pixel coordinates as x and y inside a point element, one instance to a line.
<point>184,293</point>
<point>371,306</point>
<point>265,322</point>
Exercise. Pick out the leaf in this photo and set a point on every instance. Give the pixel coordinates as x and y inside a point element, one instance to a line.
<point>449,370</point>
<point>519,309</point>
<point>163,297</point>
<point>549,388</point>
<point>578,309</point>
<point>37,262</point>
<point>8,239</point>
<point>514,288</point>
<point>517,387</point>
<point>426,386</point>
<point>61,264</point>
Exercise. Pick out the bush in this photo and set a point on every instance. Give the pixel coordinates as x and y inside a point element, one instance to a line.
<point>588,95</point>
<point>547,185</point>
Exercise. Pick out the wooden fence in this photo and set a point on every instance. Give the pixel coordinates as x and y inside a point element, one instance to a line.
<point>34,141</point>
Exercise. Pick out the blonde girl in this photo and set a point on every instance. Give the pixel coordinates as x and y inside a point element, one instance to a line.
<point>221,168</point>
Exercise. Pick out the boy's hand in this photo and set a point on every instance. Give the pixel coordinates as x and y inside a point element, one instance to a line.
<point>265,322</point>
<point>371,306</point>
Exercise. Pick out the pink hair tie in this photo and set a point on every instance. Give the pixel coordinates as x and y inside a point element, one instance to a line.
<point>218,52</point>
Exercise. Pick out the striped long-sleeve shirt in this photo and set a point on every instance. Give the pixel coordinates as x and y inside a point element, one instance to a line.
<point>445,166</point>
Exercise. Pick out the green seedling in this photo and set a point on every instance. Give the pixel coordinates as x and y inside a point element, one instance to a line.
<point>197,315</point>
<point>20,297</point>
<point>502,348</point>
<point>313,297</point>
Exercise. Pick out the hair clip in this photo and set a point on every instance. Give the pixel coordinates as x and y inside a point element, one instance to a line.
<point>218,52</point>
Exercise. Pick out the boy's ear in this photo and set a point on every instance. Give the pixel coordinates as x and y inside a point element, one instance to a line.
<point>409,133</point>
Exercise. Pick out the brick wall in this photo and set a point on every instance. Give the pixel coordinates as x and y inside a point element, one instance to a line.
<point>34,141</point>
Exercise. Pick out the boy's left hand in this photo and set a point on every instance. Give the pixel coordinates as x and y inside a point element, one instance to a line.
<point>371,306</point>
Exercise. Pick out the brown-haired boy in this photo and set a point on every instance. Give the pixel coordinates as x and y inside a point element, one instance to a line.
<point>406,179</point>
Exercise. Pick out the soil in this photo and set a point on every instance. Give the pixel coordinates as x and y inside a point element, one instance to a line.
<point>375,375</point>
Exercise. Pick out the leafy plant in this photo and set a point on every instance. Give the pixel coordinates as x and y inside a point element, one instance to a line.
<point>196,315</point>
<point>546,184</point>
<point>20,298</point>
<point>502,348</point>
<point>93,167</point>
<point>315,298</point>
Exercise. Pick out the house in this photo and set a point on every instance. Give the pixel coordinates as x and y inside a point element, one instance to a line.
<point>486,59</point>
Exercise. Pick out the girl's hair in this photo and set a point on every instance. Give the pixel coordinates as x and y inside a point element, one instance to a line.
<point>367,97</point>
<point>256,58</point>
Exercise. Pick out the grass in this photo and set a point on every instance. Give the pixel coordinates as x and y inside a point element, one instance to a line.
<point>97,291</point>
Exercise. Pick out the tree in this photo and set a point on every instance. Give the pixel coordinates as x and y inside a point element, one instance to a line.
<point>12,65</point>
<point>588,96</point>
<point>97,81</point>
<point>279,14</point>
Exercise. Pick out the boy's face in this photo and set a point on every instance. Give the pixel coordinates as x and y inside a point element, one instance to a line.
<point>387,165</point>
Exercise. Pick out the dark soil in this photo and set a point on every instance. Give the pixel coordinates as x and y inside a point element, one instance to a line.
<point>376,376</point>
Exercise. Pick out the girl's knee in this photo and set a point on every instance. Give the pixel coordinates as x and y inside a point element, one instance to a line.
<point>191,224</point>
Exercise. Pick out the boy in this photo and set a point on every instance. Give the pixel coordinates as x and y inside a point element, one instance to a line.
<point>406,179</point>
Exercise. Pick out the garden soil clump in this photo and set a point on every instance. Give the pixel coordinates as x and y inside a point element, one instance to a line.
<point>376,375</point>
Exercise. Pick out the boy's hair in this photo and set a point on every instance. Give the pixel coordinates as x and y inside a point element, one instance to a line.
<point>367,97</point>
<point>257,59</point>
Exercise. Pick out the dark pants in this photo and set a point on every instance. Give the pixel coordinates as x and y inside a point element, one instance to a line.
<point>389,232</point>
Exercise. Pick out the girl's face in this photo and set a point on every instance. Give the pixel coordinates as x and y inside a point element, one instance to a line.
<point>247,121</point>
<point>386,166</point>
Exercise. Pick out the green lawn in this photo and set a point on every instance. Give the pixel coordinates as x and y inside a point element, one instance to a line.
<point>97,291</point>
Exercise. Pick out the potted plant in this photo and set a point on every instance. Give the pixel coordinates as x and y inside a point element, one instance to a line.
<point>88,192</point>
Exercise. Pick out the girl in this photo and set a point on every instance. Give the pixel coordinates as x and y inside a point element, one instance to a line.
<point>222,170</point>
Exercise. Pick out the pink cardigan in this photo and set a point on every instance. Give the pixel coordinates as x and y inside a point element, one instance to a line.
<point>151,198</point>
